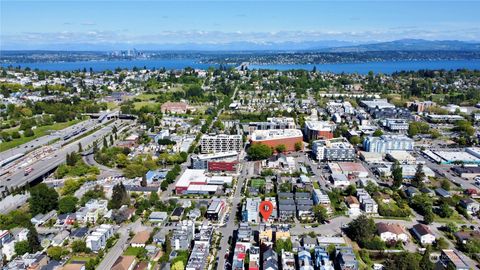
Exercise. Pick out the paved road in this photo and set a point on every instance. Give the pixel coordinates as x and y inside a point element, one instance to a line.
<point>230,226</point>
<point>104,170</point>
<point>117,250</point>
<point>40,167</point>
<point>23,148</point>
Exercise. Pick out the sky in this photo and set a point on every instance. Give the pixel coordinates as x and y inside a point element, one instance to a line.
<point>55,24</point>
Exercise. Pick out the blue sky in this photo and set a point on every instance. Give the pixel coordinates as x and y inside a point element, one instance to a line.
<point>30,24</point>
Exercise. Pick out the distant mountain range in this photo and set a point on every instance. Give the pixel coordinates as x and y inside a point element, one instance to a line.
<point>410,45</point>
<point>321,46</point>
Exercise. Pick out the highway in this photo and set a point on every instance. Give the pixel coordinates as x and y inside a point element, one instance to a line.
<point>44,140</point>
<point>40,167</point>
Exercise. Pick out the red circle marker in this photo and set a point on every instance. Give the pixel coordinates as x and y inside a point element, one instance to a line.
<point>266,208</point>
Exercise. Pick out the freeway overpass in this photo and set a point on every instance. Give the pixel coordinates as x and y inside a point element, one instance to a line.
<point>46,166</point>
<point>105,116</point>
<point>34,144</point>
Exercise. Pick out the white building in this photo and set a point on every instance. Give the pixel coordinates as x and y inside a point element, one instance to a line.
<point>221,143</point>
<point>97,240</point>
<point>250,211</point>
<point>337,149</point>
<point>368,205</point>
<point>388,143</point>
<point>391,232</point>
<point>423,234</point>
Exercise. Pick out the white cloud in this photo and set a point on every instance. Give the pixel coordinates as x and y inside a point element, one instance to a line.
<point>11,41</point>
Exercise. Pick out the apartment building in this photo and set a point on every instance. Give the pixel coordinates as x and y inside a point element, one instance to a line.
<point>387,143</point>
<point>315,130</point>
<point>221,143</point>
<point>338,149</point>
<point>97,240</point>
<point>272,123</point>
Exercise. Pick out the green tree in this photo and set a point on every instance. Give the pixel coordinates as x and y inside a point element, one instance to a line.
<point>259,151</point>
<point>178,265</point>
<point>42,199</point>
<point>119,197</point>
<point>445,184</point>
<point>320,213</point>
<point>21,247</point>
<point>355,140</point>
<point>95,193</point>
<point>377,133</point>
<point>419,176</point>
<point>361,229</point>
<point>134,170</point>
<point>280,148</point>
<point>428,216</point>
<point>298,146</point>
<point>451,227</point>
<point>15,134</point>
<point>445,211</point>
<point>67,204</point>
<point>441,243</point>
<point>281,244</point>
<point>425,262</point>
<point>111,139</point>
<point>397,175</point>
<point>33,240</point>
<point>28,132</point>
<point>79,246</point>
<point>56,253</point>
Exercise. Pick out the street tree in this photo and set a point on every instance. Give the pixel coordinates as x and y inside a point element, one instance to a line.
<point>42,199</point>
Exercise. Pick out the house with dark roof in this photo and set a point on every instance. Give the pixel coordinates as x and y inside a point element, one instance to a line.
<point>345,259</point>
<point>423,234</point>
<point>471,205</point>
<point>465,236</point>
<point>79,233</point>
<point>270,260</point>
<point>442,193</point>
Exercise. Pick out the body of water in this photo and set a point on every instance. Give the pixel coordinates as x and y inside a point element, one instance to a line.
<point>379,67</point>
<point>362,68</point>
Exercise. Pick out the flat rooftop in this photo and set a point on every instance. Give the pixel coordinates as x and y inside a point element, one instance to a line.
<point>319,125</point>
<point>451,156</point>
<point>377,103</point>
<point>261,135</point>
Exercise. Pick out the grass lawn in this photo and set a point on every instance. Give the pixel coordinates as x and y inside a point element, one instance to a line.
<point>149,104</point>
<point>112,105</point>
<point>145,97</point>
<point>316,185</point>
<point>456,217</point>
<point>257,182</point>
<point>39,132</point>
<point>132,251</point>
<point>79,259</point>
